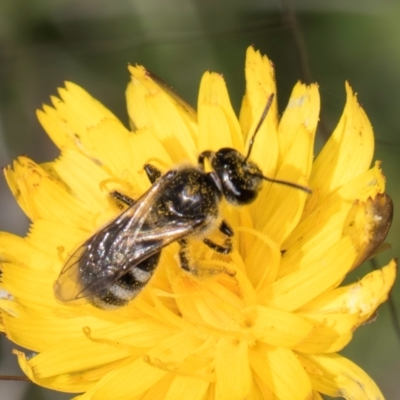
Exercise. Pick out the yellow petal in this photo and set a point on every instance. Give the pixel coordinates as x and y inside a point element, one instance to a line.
<point>218,125</point>
<point>317,396</point>
<point>297,130</point>
<point>148,370</point>
<point>109,143</point>
<point>325,224</point>
<point>82,176</point>
<point>279,328</point>
<point>298,288</point>
<point>262,252</point>
<point>151,107</point>
<point>42,196</point>
<point>331,332</point>
<point>232,370</point>
<point>339,377</point>
<point>20,251</point>
<point>260,84</point>
<point>24,284</point>
<point>279,206</point>
<point>361,298</point>
<point>73,115</point>
<point>158,390</point>
<point>260,390</point>
<point>183,388</point>
<point>114,384</point>
<point>147,149</point>
<point>49,363</point>
<point>48,332</point>
<point>348,152</point>
<point>280,370</point>
<point>64,383</point>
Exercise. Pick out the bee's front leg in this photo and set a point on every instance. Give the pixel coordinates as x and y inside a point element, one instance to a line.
<point>152,172</point>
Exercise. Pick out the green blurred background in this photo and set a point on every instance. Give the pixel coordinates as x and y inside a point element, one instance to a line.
<point>45,42</point>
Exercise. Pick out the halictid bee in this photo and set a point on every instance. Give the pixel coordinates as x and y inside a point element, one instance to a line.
<point>114,265</point>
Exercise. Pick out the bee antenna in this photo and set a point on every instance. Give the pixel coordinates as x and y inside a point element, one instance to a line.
<point>260,122</point>
<point>286,183</point>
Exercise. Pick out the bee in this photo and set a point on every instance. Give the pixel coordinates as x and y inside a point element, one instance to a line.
<point>111,268</point>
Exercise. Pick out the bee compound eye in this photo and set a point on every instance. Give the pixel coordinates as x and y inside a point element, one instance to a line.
<point>236,176</point>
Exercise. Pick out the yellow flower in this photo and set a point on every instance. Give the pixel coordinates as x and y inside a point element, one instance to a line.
<point>263,322</point>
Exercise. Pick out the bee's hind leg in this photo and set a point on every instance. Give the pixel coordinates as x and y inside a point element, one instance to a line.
<point>204,271</point>
<point>226,248</point>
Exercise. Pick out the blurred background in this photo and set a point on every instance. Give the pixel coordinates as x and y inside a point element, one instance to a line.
<point>44,42</point>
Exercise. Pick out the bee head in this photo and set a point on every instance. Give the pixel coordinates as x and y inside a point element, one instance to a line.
<point>240,179</point>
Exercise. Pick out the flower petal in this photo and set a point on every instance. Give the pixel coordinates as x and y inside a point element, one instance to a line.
<point>348,152</point>
<point>151,107</point>
<point>361,298</point>
<point>262,248</point>
<point>218,125</point>
<point>280,207</point>
<point>281,371</point>
<point>82,176</point>
<point>68,122</point>
<point>183,388</point>
<point>298,288</point>
<point>331,333</point>
<point>279,328</point>
<point>23,283</point>
<point>64,383</point>
<point>20,251</point>
<point>40,195</point>
<point>325,225</point>
<point>163,357</point>
<point>109,144</point>
<point>114,384</point>
<point>260,84</point>
<point>233,376</point>
<point>337,376</point>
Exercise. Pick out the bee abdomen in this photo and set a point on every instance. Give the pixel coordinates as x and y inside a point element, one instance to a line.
<point>128,286</point>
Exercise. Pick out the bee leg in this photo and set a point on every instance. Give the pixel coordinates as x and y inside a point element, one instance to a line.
<point>203,155</point>
<point>226,229</point>
<point>226,248</point>
<point>183,256</point>
<point>152,172</point>
<point>122,198</point>
<point>184,261</point>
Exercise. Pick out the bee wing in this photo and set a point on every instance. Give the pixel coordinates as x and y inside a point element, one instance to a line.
<point>67,287</point>
<point>118,247</point>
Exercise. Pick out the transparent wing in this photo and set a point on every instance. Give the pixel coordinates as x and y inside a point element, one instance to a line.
<point>119,246</point>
